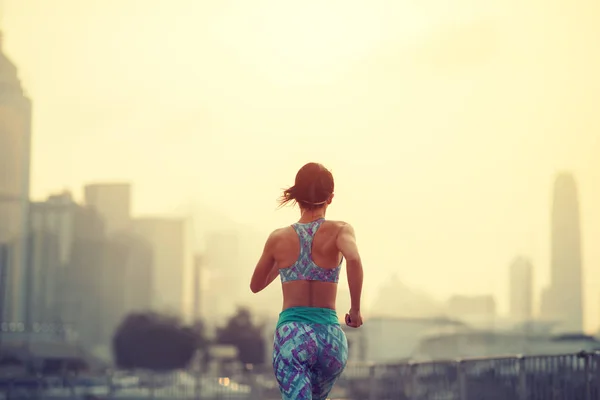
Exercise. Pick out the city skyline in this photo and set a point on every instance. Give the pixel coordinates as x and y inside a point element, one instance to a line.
<point>217,241</point>
<point>474,186</point>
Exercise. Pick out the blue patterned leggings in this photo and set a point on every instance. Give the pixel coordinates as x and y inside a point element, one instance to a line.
<point>308,359</point>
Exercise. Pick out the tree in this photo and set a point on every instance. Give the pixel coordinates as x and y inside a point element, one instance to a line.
<point>155,342</point>
<point>245,336</point>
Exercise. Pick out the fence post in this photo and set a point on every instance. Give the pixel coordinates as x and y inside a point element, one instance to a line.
<point>39,385</point>
<point>109,383</point>
<point>9,394</point>
<point>586,373</point>
<point>152,385</point>
<point>198,384</point>
<point>596,357</point>
<point>71,383</point>
<point>462,380</point>
<point>522,378</point>
<point>372,383</point>
<point>414,382</point>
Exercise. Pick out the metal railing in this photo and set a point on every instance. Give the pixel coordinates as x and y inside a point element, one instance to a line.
<point>550,377</point>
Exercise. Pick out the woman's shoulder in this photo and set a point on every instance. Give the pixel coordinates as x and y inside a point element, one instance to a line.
<point>281,233</point>
<point>339,226</point>
<point>278,232</point>
<point>338,223</point>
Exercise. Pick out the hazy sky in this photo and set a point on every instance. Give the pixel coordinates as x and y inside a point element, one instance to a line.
<point>443,125</point>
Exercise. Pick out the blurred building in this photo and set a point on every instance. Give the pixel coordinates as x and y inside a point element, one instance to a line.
<point>124,286</point>
<point>129,258</point>
<point>113,202</point>
<point>67,243</point>
<point>47,268</point>
<point>563,299</point>
<point>15,150</point>
<point>396,299</point>
<point>521,289</point>
<point>83,278</point>
<point>226,285</point>
<point>133,265</point>
<point>172,261</point>
<point>476,311</point>
<point>389,340</point>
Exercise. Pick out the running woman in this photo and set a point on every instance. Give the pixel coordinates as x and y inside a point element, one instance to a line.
<point>310,348</point>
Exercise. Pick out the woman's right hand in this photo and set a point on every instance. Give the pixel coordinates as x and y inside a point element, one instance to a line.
<point>354,319</point>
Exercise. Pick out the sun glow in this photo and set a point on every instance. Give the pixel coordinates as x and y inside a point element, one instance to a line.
<point>294,43</point>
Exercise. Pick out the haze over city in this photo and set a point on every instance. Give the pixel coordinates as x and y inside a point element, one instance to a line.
<point>444,125</point>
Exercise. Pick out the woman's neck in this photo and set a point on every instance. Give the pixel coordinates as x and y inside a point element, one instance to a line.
<point>311,215</point>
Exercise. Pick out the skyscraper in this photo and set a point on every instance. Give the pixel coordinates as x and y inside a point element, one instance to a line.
<point>113,202</point>
<point>223,275</point>
<point>521,289</point>
<point>127,281</point>
<point>66,248</point>
<point>15,138</point>
<point>172,261</point>
<point>564,299</point>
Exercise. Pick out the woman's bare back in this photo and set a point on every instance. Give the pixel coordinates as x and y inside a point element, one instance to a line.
<point>324,253</point>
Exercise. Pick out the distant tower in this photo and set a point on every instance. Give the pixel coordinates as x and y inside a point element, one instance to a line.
<point>521,289</point>
<point>171,261</point>
<point>565,299</point>
<point>113,202</point>
<point>15,138</point>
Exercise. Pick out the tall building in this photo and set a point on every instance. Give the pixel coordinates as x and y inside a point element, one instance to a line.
<point>172,262</point>
<point>130,265</point>
<point>521,289</point>
<point>563,301</point>
<point>67,262</point>
<point>47,273</point>
<point>113,202</point>
<point>82,277</point>
<point>15,139</point>
<point>126,284</point>
<point>223,275</point>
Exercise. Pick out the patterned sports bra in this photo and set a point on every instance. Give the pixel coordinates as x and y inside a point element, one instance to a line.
<point>305,269</point>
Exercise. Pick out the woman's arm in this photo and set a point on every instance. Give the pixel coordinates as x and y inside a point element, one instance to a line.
<point>265,271</point>
<point>272,275</point>
<point>346,243</point>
